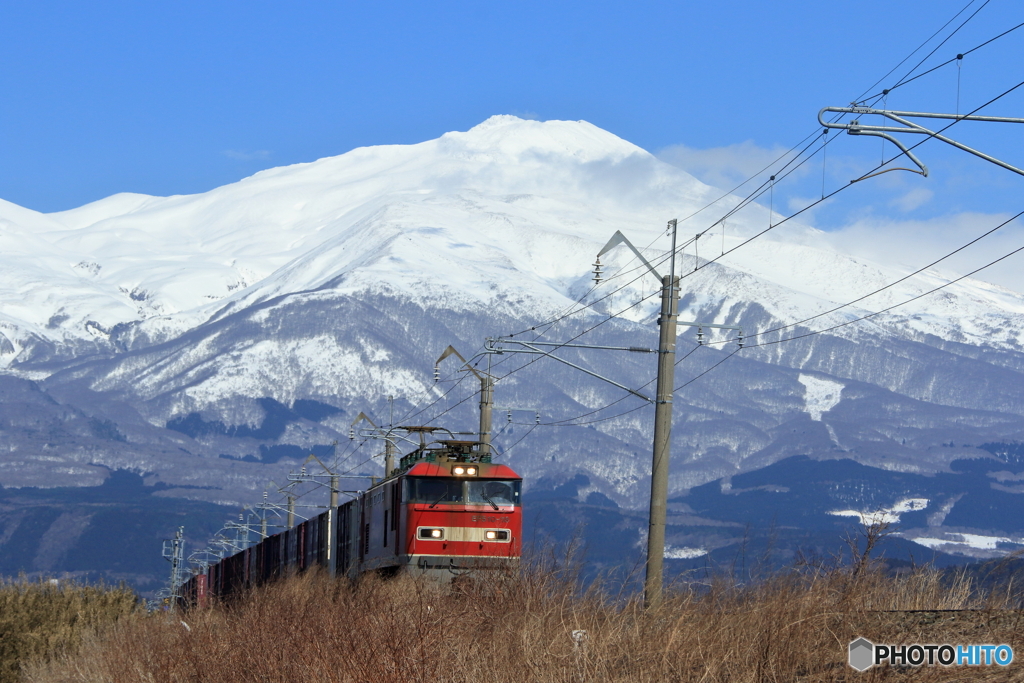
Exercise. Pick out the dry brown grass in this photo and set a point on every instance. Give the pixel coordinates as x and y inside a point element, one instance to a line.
<point>40,619</point>
<point>791,627</point>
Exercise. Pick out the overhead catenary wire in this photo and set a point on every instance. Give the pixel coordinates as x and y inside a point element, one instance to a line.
<point>891,284</point>
<point>810,206</point>
<point>905,80</point>
<point>572,309</point>
<point>915,51</point>
<point>959,56</point>
<point>924,139</point>
<point>560,423</point>
<point>889,308</point>
<point>759,234</point>
<point>945,40</point>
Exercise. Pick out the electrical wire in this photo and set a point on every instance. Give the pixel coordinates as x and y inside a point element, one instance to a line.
<point>756,193</point>
<point>916,50</point>
<point>505,452</point>
<point>742,204</point>
<point>925,139</point>
<point>902,303</point>
<point>771,227</point>
<point>903,80</point>
<point>939,66</point>
<point>885,287</point>
<point>564,423</point>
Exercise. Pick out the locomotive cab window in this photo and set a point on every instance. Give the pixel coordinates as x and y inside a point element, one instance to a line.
<point>494,492</point>
<point>450,491</point>
<point>433,490</point>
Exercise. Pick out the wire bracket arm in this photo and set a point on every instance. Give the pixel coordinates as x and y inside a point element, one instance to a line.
<point>855,127</point>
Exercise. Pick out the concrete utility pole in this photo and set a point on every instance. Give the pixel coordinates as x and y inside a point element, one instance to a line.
<point>263,517</point>
<point>332,523</point>
<point>662,412</point>
<point>662,432</point>
<point>389,445</point>
<point>291,511</point>
<point>669,322</point>
<point>486,403</point>
<point>389,456</point>
<point>486,396</point>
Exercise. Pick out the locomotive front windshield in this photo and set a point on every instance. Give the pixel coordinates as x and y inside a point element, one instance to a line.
<point>494,492</point>
<point>442,490</point>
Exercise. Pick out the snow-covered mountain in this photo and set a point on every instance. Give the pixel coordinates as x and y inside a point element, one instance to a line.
<point>212,340</point>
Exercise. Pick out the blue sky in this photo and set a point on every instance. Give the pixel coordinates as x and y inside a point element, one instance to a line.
<point>171,98</point>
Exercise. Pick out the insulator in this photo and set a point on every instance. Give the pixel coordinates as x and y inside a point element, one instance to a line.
<point>437,374</point>
<point>538,418</point>
<point>302,471</point>
<point>740,340</point>
<point>700,336</point>
<point>351,433</point>
<point>510,417</point>
<point>597,271</point>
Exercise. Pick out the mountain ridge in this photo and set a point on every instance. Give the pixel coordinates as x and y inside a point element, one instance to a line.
<point>144,323</point>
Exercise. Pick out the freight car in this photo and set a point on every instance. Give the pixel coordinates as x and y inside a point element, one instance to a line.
<point>446,510</point>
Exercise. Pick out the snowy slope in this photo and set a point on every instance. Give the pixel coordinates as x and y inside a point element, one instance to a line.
<point>519,205</point>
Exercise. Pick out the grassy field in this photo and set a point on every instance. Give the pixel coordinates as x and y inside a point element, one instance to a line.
<point>538,625</point>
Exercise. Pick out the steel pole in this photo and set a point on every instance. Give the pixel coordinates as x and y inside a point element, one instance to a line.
<point>662,441</point>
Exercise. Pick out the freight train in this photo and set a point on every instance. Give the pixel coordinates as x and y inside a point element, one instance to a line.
<point>446,510</point>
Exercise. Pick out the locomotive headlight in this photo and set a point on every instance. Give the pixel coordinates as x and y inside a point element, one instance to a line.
<point>496,535</point>
<point>431,534</point>
<point>471,471</point>
<point>459,470</point>
<point>491,535</point>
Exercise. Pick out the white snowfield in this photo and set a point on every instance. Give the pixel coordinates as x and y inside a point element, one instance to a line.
<point>964,543</point>
<point>890,515</point>
<point>504,217</point>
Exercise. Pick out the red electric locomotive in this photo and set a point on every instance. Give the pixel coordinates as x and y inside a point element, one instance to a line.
<point>446,510</point>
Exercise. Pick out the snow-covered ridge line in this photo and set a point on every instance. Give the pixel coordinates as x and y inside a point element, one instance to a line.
<point>508,208</point>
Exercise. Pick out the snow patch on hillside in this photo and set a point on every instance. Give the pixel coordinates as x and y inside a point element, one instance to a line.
<point>820,396</point>
<point>889,515</point>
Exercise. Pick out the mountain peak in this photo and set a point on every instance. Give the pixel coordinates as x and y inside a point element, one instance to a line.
<point>509,135</point>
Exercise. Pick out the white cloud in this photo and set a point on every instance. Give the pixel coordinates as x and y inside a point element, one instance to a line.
<point>722,167</point>
<point>240,155</point>
<point>914,199</point>
<point>912,244</point>
<point>795,204</point>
